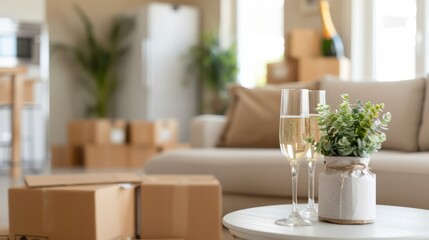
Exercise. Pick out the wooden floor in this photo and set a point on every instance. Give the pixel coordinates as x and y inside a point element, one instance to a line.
<point>6,182</point>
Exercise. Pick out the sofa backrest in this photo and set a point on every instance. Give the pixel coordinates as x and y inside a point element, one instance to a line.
<point>403,99</point>
<point>424,128</point>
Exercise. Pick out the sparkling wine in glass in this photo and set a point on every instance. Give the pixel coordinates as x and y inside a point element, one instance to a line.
<point>315,97</point>
<point>292,134</point>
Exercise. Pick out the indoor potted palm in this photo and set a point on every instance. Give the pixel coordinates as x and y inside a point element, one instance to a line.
<point>98,60</point>
<point>217,67</point>
<point>349,136</point>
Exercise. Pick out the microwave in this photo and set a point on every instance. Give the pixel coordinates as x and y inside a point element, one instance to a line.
<point>19,43</point>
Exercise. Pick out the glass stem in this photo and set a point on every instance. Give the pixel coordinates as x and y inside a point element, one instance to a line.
<point>311,170</point>
<point>294,166</point>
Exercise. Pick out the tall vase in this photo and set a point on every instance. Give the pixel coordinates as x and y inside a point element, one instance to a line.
<point>332,45</point>
<point>347,191</point>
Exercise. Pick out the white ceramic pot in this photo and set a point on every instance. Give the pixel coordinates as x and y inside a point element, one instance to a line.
<point>347,191</point>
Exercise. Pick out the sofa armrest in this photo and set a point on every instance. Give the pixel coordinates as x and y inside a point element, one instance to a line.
<point>206,130</point>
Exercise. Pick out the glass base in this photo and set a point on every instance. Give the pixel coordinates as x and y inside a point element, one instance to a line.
<point>310,213</point>
<point>294,220</point>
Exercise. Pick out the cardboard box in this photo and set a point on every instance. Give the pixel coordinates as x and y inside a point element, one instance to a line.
<point>6,91</point>
<point>173,146</point>
<point>186,207</point>
<point>118,132</point>
<point>4,234</point>
<point>156,133</point>
<point>66,156</point>
<point>75,155</point>
<point>303,42</point>
<point>138,155</point>
<point>95,131</point>
<point>38,181</point>
<point>106,156</point>
<point>59,156</point>
<point>311,69</point>
<point>84,212</point>
<point>282,72</point>
<point>158,239</point>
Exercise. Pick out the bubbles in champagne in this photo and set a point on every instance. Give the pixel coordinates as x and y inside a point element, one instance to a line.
<point>292,137</point>
<point>313,132</point>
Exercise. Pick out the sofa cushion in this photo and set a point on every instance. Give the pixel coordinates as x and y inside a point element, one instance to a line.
<point>253,116</point>
<point>403,99</point>
<point>401,176</point>
<point>424,128</point>
<point>239,170</point>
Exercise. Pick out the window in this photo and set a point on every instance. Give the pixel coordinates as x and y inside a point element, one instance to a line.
<point>389,39</point>
<point>394,50</point>
<point>260,38</point>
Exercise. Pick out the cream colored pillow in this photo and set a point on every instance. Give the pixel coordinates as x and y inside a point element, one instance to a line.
<point>253,116</point>
<point>403,99</point>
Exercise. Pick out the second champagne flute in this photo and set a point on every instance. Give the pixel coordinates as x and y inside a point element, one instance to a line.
<point>312,128</point>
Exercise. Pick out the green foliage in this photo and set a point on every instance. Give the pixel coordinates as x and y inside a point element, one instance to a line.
<point>353,129</point>
<point>215,66</point>
<point>99,60</point>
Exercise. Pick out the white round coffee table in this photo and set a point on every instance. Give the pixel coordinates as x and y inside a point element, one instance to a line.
<point>391,223</point>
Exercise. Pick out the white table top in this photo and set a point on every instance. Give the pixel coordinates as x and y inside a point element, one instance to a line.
<point>391,223</point>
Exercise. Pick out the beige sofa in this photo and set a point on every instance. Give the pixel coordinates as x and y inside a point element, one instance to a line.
<point>261,176</point>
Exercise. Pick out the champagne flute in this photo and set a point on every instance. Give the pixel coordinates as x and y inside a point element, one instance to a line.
<point>315,97</point>
<point>292,134</point>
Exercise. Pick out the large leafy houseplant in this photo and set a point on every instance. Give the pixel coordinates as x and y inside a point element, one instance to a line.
<point>217,67</point>
<point>353,129</point>
<point>99,59</point>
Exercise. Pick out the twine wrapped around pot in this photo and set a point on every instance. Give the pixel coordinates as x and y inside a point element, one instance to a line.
<point>347,191</point>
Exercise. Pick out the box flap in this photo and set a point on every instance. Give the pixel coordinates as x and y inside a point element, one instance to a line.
<point>80,179</point>
<point>159,239</point>
<point>162,177</point>
<point>179,180</point>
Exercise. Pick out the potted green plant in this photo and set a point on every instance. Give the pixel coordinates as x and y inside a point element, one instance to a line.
<point>98,60</point>
<point>349,136</point>
<point>217,67</point>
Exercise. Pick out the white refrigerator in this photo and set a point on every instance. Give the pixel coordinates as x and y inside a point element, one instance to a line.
<point>154,80</point>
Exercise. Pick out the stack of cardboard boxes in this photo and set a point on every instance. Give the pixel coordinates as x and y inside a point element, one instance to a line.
<point>103,143</point>
<point>120,206</point>
<point>149,138</point>
<point>303,60</point>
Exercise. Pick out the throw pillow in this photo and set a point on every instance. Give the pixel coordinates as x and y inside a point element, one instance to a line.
<point>253,116</point>
<point>403,99</point>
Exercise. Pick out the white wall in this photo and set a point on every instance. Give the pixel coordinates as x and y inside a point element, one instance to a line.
<point>24,10</point>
